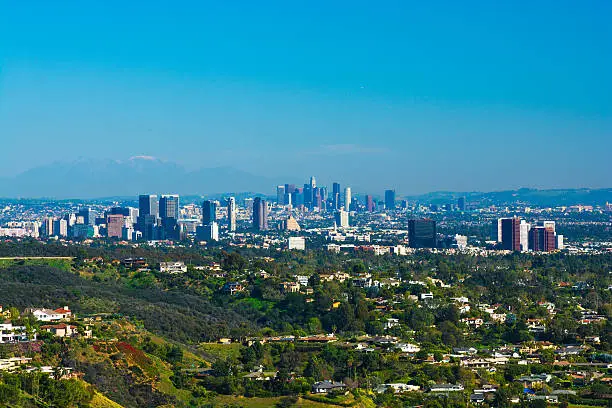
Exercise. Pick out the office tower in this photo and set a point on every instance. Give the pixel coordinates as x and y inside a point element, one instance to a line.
<point>148,205</point>
<point>341,218</point>
<point>390,199</point>
<point>114,225</point>
<point>347,199</point>
<point>89,217</point>
<point>289,198</point>
<point>542,239</point>
<point>335,198</point>
<point>47,227</point>
<point>169,213</point>
<point>461,203</point>
<point>231,214</point>
<point>297,198</point>
<point>130,213</point>
<point>307,196</point>
<point>260,214</point>
<point>549,225</point>
<point>496,232</point>
<point>60,228</point>
<point>560,244</point>
<point>280,195</point>
<point>511,234</point>
<point>209,212</point>
<point>208,232</point>
<point>422,233</point>
<point>317,198</point>
<point>369,202</point>
<point>524,227</point>
<point>313,182</point>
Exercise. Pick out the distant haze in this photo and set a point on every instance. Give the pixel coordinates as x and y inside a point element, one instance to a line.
<point>416,96</point>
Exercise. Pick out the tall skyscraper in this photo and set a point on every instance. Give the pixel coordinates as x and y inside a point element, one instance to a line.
<point>422,233</point>
<point>461,203</point>
<point>369,202</point>
<point>336,196</point>
<point>148,217</point>
<point>317,198</point>
<point>260,214</point>
<point>525,227</point>
<point>347,199</point>
<point>542,238</point>
<point>341,218</point>
<point>231,214</point>
<point>511,234</point>
<point>390,199</point>
<point>169,213</point>
<point>280,195</point>
<point>209,212</point>
<point>147,205</point>
<point>307,196</point>
<point>88,215</point>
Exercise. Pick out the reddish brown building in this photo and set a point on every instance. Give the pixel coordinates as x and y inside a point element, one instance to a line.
<point>542,239</point>
<point>511,233</point>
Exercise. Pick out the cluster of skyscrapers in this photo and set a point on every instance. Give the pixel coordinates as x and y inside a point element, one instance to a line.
<point>515,234</point>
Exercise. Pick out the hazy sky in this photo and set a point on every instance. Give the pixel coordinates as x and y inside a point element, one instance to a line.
<point>420,96</point>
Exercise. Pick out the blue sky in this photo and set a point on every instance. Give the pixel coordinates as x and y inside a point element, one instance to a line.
<point>420,96</point>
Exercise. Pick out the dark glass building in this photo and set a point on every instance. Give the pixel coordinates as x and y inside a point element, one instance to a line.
<point>390,199</point>
<point>209,212</point>
<point>511,234</point>
<point>260,214</point>
<point>422,233</point>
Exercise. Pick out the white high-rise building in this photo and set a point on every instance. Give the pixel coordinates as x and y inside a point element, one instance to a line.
<point>231,214</point>
<point>347,199</point>
<point>560,244</point>
<point>342,219</point>
<point>524,235</point>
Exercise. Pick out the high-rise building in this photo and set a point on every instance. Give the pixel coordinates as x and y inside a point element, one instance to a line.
<point>114,225</point>
<point>260,214</point>
<point>560,244</point>
<point>422,233</point>
<point>60,228</point>
<point>335,196</point>
<point>280,195</point>
<point>231,214</point>
<point>341,218</point>
<point>369,202</point>
<point>542,239</point>
<point>511,234</point>
<point>169,213</point>
<point>347,199</point>
<point>307,196</point>
<point>290,192</point>
<point>208,232</point>
<point>209,212</point>
<point>89,217</point>
<point>390,199</point>
<point>148,205</point>
<point>47,227</point>
<point>317,198</point>
<point>525,227</point>
<point>461,203</point>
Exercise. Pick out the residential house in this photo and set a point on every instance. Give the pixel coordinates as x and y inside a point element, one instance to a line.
<point>325,387</point>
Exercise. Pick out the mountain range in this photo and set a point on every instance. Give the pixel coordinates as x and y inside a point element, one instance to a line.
<point>86,178</point>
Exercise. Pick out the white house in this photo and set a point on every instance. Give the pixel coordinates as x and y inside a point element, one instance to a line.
<point>49,315</point>
<point>14,334</point>
<point>172,267</point>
